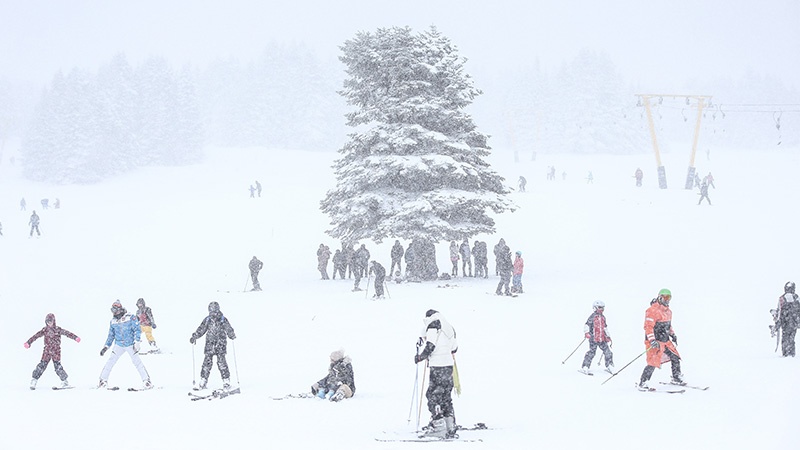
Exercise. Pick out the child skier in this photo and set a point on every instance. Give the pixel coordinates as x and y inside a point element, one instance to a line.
<point>217,329</point>
<point>126,335</point>
<point>147,323</point>
<point>516,277</point>
<point>596,331</point>
<point>340,383</point>
<point>52,349</point>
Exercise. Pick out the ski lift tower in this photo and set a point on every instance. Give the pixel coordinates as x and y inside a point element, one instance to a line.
<point>701,103</point>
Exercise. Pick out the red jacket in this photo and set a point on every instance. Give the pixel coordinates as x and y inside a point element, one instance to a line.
<point>52,339</point>
<point>519,265</point>
<point>658,326</point>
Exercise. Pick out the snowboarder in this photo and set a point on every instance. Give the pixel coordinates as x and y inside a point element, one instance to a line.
<point>380,277</point>
<point>522,183</point>
<point>258,188</point>
<point>34,223</point>
<point>124,332</point>
<point>323,256</point>
<point>454,258</point>
<point>639,175</point>
<point>516,271</point>
<point>660,339</point>
<point>466,258</point>
<point>595,330</point>
<point>704,194</point>
<point>397,256</point>
<point>505,266</point>
<point>339,383</point>
<point>788,318</point>
<point>339,264</point>
<point>147,323</point>
<point>52,349</point>
<point>439,345</point>
<point>217,330</point>
<point>255,267</point>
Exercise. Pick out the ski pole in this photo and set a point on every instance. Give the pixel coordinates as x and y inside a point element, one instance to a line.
<point>246,282</point>
<point>626,365</point>
<point>235,364</point>
<point>600,359</point>
<point>414,391</point>
<point>194,382</point>
<point>386,286</point>
<point>573,352</point>
<point>419,411</point>
<point>366,291</point>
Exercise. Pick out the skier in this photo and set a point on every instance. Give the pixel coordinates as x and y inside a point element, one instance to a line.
<point>505,266</point>
<point>788,317</point>
<point>500,250</point>
<point>255,267</point>
<point>52,349</point>
<point>704,194</point>
<point>438,338</point>
<point>147,323</point>
<point>639,175</point>
<point>124,332</point>
<point>57,203</point>
<point>660,339</point>
<point>258,188</point>
<point>454,258</point>
<point>339,264</point>
<point>323,256</point>
<point>217,329</point>
<point>339,383</point>
<point>522,183</point>
<point>517,269</point>
<point>252,191</point>
<point>590,178</point>
<point>596,332</point>
<point>397,256</point>
<point>34,223</point>
<point>380,277</point>
<point>710,180</point>
<point>22,204</point>
<point>466,258</point>
<point>45,203</point>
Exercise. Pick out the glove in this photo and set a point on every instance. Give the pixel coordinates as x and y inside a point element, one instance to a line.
<point>674,338</point>
<point>654,344</point>
<point>587,336</point>
<point>418,358</point>
<point>77,339</point>
<point>103,351</point>
<point>321,393</point>
<point>136,346</point>
<point>314,388</point>
<point>192,340</point>
<point>154,326</point>
<point>26,345</point>
<point>420,342</point>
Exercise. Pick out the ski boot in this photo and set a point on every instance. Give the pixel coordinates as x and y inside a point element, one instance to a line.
<point>147,384</point>
<point>203,383</point>
<point>678,380</point>
<point>33,384</point>
<point>64,384</point>
<point>610,369</point>
<point>450,424</point>
<point>226,383</point>
<point>102,384</point>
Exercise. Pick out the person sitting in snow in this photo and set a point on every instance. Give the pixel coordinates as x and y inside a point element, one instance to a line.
<point>340,382</point>
<point>52,349</point>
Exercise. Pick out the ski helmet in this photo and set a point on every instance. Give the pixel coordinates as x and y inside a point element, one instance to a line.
<point>213,307</point>
<point>789,287</point>
<point>519,253</point>
<point>117,309</point>
<point>664,296</point>
<point>140,302</point>
<point>598,304</point>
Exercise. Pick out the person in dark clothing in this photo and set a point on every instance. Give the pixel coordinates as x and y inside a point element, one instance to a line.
<point>255,267</point>
<point>522,183</point>
<point>397,256</point>
<point>412,270</point>
<point>217,330</point>
<point>789,318</point>
<point>349,257</point>
<point>323,256</point>
<point>339,264</point>
<point>52,349</point>
<point>499,251</point>
<point>147,323</point>
<point>380,277</point>
<point>340,382</point>
<point>704,194</point>
<point>362,259</point>
<point>505,266</point>
<point>466,258</point>
<point>596,332</point>
<point>34,223</point>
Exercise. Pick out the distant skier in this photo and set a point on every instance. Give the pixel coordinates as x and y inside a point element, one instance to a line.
<point>45,203</point>
<point>147,323</point>
<point>516,273</point>
<point>258,188</point>
<point>590,178</point>
<point>1,228</point>
<point>252,191</point>
<point>124,332</point>
<point>788,318</point>
<point>22,204</point>
<point>361,257</point>
<point>660,339</point>
<point>397,256</point>
<point>217,330</point>
<point>500,249</point>
<point>505,266</point>
<point>323,256</point>
<point>339,383</point>
<point>704,194</point>
<point>339,264</point>
<point>639,175</point>
<point>522,183</point>
<point>454,258</point>
<point>57,204</point>
<point>52,349</point>
<point>710,180</point>
<point>380,277</point>
<point>596,332</point>
<point>34,223</point>
<point>439,345</point>
<point>466,257</point>
<point>255,267</point>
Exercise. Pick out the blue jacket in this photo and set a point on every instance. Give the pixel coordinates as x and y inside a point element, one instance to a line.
<point>125,331</point>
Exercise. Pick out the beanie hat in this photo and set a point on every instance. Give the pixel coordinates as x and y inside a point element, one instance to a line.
<point>337,355</point>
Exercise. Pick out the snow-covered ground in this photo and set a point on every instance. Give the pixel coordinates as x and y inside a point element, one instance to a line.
<point>182,237</point>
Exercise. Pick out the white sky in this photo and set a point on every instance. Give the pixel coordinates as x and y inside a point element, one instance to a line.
<point>654,43</point>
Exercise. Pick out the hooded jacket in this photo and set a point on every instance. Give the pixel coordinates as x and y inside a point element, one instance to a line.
<point>124,330</point>
<point>217,329</point>
<point>440,340</point>
<point>52,339</point>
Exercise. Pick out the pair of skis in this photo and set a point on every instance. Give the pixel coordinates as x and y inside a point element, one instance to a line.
<point>401,437</point>
<point>215,394</point>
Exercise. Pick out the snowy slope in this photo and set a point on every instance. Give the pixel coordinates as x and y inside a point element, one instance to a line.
<point>182,237</point>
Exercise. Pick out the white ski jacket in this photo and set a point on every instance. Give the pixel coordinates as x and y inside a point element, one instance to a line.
<point>443,339</point>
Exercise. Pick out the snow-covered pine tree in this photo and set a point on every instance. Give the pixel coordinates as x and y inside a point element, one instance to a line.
<point>415,168</point>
